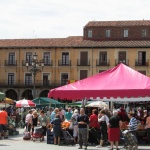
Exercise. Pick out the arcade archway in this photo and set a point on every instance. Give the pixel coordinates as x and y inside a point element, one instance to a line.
<point>27,94</point>
<point>44,93</point>
<point>12,94</point>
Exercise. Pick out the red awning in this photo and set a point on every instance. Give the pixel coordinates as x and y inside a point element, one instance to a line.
<point>120,81</point>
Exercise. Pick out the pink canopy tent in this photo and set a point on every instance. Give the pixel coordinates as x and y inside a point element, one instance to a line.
<point>120,81</point>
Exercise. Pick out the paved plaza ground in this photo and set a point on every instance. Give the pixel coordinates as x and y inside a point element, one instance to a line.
<point>17,143</point>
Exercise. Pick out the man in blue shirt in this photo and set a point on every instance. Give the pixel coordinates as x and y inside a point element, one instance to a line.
<point>68,114</point>
<point>52,116</point>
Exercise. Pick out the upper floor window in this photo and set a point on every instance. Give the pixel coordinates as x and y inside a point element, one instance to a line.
<point>122,58</point>
<point>65,58</point>
<point>144,33</point>
<point>83,74</point>
<point>102,60</point>
<point>141,58</point>
<point>125,33</point>
<point>64,78</point>
<point>29,57</point>
<point>107,33</point>
<point>89,33</point>
<point>28,79</point>
<point>46,77</point>
<point>11,78</point>
<point>12,60</point>
<point>100,71</point>
<point>46,58</point>
<point>142,72</point>
<point>83,61</point>
<point>103,56</point>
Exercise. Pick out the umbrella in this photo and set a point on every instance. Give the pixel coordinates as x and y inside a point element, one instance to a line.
<point>45,100</point>
<point>99,104</point>
<point>8,101</point>
<point>25,103</point>
<point>2,96</point>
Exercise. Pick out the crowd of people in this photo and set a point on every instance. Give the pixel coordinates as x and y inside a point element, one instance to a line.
<point>107,122</point>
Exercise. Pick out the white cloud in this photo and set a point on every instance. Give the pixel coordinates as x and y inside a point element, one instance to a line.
<point>62,18</point>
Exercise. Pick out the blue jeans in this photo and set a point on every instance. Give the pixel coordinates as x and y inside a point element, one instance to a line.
<point>83,136</point>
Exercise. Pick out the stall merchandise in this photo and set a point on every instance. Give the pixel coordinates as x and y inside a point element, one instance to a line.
<point>124,125</point>
<point>65,125</point>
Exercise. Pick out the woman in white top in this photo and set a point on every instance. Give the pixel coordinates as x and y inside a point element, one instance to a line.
<point>104,120</point>
<point>28,120</point>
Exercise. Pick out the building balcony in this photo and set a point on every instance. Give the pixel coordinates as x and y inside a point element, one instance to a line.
<point>29,84</point>
<point>83,63</point>
<point>10,62</point>
<point>124,61</point>
<point>141,62</point>
<point>46,63</point>
<point>64,63</point>
<point>24,63</point>
<point>100,62</point>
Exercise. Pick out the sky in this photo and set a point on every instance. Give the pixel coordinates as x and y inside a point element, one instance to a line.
<point>28,19</point>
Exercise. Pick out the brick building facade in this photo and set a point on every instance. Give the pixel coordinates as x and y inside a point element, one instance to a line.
<point>102,46</point>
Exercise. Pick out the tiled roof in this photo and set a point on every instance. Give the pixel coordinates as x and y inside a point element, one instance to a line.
<point>118,23</point>
<point>76,42</point>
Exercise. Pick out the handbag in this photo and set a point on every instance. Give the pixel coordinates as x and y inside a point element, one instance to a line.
<point>27,135</point>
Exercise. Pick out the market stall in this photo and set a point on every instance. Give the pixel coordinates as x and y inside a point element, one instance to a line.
<point>118,82</point>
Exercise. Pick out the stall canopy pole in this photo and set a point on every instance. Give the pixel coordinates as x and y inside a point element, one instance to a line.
<point>111,105</point>
<point>5,102</point>
<point>50,104</point>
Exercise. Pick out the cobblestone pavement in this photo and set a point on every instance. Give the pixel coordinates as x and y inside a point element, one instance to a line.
<point>17,143</point>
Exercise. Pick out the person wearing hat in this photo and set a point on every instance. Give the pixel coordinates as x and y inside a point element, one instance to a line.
<point>75,124</point>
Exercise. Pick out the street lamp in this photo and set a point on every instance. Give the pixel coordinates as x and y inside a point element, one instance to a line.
<point>37,66</point>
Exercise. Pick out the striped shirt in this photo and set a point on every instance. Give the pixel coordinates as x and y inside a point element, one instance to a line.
<point>133,124</point>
